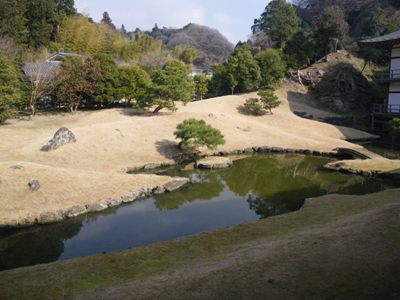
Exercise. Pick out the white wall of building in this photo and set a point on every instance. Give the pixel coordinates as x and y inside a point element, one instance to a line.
<point>394,102</point>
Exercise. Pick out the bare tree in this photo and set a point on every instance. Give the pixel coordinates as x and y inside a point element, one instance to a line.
<point>8,47</point>
<point>42,79</point>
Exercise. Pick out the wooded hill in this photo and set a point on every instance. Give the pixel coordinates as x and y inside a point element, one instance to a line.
<point>213,47</point>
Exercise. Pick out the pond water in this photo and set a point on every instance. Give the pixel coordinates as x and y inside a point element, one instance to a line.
<point>256,187</point>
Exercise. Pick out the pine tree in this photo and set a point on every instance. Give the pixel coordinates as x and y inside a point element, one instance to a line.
<point>107,20</point>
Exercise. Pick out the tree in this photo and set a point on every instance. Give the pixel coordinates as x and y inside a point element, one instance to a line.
<point>201,85</point>
<point>189,55</point>
<point>219,83</point>
<point>78,80</point>
<point>171,84</point>
<point>243,70</point>
<point>269,100</point>
<point>111,80</point>
<point>41,19</point>
<point>330,26</point>
<point>279,21</point>
<point>135,85</point>
<point>13,20</point>
<point>10,88</point>
<point>196,133</point>
<point>107,21</point>
<point>42,78</point>
<point>272,67</point>
<point>299,50</point>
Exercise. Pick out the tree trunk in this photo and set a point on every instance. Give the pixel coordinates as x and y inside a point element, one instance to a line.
<point>158,108</point>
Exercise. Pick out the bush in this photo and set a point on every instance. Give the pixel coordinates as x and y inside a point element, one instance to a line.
<point>196,133</point>
<point>254,106</point>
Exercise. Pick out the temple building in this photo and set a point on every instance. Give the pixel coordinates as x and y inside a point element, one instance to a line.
<point>391,106</point>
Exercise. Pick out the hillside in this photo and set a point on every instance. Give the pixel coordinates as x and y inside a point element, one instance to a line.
<point>213,46</point>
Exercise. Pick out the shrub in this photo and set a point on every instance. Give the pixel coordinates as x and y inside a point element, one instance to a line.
<point>196,133</point>
<point>254,106</point>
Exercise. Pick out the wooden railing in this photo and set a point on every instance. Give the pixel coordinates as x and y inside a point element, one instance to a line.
<point>388,76</point>
<point>386,109</point>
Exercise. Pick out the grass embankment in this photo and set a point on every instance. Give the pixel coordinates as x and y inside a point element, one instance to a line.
<point>336,247</point>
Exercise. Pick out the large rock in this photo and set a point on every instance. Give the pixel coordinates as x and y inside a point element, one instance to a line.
<point>61,137</point>
<point>214,163</point>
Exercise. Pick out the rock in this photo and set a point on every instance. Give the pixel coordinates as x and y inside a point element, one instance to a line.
<point>61,137</point>
<point>175,184</point>
<point>159,190</point>
<point>34,185</point>
<point>76,211</point>
<point>96,207</point>
<point>115,202</point>
<point>51,217</point>
<point>17,167</point>
<point>151,166</point>
<point>248,150</point>
<point>214,163</point>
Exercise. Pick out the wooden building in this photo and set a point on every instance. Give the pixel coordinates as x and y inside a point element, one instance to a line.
<point>383,112</point>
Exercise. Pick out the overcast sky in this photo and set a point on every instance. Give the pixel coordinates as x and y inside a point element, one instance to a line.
<point>233,18</point>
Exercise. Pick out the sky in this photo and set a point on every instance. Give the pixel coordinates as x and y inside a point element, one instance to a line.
<point>233,18</point>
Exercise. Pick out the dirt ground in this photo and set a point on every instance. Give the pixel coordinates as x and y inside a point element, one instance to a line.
<point>111,141</point>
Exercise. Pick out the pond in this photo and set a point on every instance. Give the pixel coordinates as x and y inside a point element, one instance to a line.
<point>256,187</point>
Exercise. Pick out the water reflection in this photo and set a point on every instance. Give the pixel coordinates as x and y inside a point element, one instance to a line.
<point>255,187</point>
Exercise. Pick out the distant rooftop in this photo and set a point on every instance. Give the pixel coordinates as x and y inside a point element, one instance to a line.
<point>382,42</point>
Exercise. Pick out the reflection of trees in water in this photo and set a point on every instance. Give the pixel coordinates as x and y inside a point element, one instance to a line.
<point>207,185</point>
<point>36,245</point>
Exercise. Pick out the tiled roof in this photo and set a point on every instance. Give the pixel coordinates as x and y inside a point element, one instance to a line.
<point>385,41</point>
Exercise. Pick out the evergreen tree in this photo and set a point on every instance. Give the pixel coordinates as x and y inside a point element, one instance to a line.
<point>13,20</point>
<point>172,83</point>
<point>135,85</point>
<point>272,67</point>
<point>197,133</point>
<point>279,21</point>
<point>269,100</point>
<point>10,88</point>
<point>201,85</point>
<point>41,18</point>
<point>107,20</point>
<point>299,50</point>
<point>243,70</point>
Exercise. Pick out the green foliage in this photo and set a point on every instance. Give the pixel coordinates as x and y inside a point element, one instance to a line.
<point>272,67</point>
<point>254,106</point>
<point>219,83</point>
<point>13,20</point>
<point>299,50</point>
<point>172,83</point>
<point>107,21</point>
<point>279,21</point>
<point>395,125</point>
<point>330,28</point>
<point>186,54</point>
<point>201,85</point>
<point>79,80</point>
<point>10,88</point>
<point>243,70</point>
<point>135,85</point>
<point>196,133</point>
<point>268,99</point>
<point>112,84</point>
